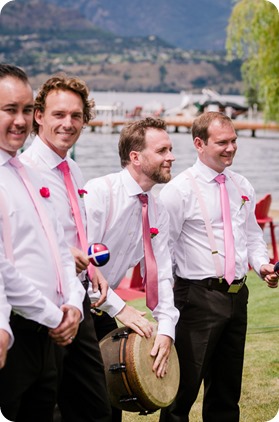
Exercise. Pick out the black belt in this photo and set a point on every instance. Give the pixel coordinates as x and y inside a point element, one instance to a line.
<point>220,284</point>
<point>21,323</point>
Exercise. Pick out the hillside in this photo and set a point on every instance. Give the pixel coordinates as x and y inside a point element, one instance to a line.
<point>188,24</point>
<point>45,38</point>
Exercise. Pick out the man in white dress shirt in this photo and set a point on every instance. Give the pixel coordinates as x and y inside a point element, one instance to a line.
<point>210,334</point>
<point>46,299</point>
<point>114,217</point>
<point>61,110</point>
<point>6,335</point>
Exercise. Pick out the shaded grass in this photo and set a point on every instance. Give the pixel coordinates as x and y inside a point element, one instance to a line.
<point>260,386</point>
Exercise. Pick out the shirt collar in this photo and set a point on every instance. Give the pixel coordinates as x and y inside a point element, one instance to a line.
<point>51,159</point>
<point>131,186</point>
<point>207,173</point>
<point>4,157</point>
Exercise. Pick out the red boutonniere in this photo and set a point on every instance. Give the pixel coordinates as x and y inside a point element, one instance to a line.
<point>244,199</point>
<point>45,193</point>
<point>81,192</point>
<point>153,232</point>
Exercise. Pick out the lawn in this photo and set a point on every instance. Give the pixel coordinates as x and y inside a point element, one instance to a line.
<point>260,389</point>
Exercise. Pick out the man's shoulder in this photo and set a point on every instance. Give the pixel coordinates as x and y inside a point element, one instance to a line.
<point>105,181</point>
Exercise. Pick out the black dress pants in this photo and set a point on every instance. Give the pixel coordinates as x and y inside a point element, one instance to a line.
<point>28,381</point>
<point>83,394</point>
<point>210,341</point>
<point>104,324</point>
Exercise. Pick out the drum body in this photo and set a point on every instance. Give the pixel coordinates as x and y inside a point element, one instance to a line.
<point>132,385</point>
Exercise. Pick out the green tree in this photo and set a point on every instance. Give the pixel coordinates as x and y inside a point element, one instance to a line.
<point>253,36</point>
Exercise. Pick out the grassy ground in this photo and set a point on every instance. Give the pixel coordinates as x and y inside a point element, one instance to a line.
<point>260,388</point>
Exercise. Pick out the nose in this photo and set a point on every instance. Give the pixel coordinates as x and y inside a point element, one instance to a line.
<point>231,147</point>
<point>67,121</point>
<point>20,119</point>
<point>170,156</point>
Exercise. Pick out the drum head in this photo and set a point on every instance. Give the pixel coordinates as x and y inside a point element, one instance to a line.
<point>138,380</point>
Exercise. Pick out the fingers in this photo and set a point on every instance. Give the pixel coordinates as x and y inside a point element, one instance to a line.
<point>65,333</point>
<point>134,319</point>
<point>161,351</point>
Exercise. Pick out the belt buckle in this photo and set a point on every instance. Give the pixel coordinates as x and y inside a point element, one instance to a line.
<point>234,288</point>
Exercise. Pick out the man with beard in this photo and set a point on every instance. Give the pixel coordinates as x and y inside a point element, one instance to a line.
<point>114,217</point>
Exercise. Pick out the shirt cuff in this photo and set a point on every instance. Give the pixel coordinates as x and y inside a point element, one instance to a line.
<point>166,328</point>
<point>112,305</point>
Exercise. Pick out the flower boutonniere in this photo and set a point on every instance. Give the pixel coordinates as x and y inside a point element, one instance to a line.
<point>153,232</point>
<point>81,192</point>
<point>243,200</point>
<point>45,193</point>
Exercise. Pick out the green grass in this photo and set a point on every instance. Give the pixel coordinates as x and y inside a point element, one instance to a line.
<point>260,386</point>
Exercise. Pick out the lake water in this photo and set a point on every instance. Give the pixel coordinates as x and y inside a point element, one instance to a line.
<point>256,158</point>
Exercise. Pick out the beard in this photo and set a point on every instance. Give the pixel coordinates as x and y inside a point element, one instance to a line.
<point>157,175</point>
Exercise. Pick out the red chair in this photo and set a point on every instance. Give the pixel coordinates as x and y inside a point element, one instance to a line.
<point>261,211</point>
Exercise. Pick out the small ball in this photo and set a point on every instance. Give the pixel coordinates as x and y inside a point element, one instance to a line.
<point>98,254</point>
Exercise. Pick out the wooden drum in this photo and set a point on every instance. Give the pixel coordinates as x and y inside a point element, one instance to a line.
<point>132,385</point>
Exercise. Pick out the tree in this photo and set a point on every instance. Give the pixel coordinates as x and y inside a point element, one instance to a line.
<point>253,36</point>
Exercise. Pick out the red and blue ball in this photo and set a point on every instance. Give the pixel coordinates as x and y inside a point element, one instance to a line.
<point>98,254</point>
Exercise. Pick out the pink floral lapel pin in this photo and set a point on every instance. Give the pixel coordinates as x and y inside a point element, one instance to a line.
<point>243,200</point>
<point>45,193</point>
<point>81,192</point>
<point>153,232</point>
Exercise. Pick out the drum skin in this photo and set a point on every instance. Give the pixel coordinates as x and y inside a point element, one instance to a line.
<point>132,385</point>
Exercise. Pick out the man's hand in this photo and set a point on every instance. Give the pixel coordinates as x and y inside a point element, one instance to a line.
<point>4,343</point>
<point>269,276</point>
<point>161,351</point>
<point>81,259</point>
<point>134,319</point>
<point>66,331</point>
<point>99,283</point>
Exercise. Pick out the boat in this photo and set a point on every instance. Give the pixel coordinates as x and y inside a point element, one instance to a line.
<point>192,105</point>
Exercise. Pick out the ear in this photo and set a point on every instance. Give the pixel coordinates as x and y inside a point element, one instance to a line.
<point>199,144</point>
<point>134,158</point>
<point>38,116</point>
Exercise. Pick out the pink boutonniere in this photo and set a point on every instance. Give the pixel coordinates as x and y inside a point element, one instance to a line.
<point>81,192</point>
<point>45,193</point>
<point>153,232</point>
<point>244,199</point>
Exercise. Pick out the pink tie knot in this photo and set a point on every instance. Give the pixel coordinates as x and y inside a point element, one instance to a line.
<point>15,162</point>
<point>221,178</point>
<point>143,198</point>
<point>64,167</point>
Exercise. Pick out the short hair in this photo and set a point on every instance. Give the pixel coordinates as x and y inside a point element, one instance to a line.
<point>9,70</point>
<point>201,124</point>
<point>132,137</point>
<point>64,83</point>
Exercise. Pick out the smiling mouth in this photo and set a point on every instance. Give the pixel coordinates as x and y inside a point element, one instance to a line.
<point>17,132</point>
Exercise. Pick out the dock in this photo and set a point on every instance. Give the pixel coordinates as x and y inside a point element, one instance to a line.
<point>175,123</point>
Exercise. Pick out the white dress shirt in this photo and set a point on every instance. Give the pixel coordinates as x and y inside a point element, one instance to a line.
<point>46,160</point>
<point>5,310</point>
<point>114,218</point>
<point>31,282</point>
<point>189,242</point>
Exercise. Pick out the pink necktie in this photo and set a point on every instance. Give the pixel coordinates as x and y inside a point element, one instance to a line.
<point>45,221</point>
<point>150,279</point>
<point>64,168</point>
<point>228,234</point>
